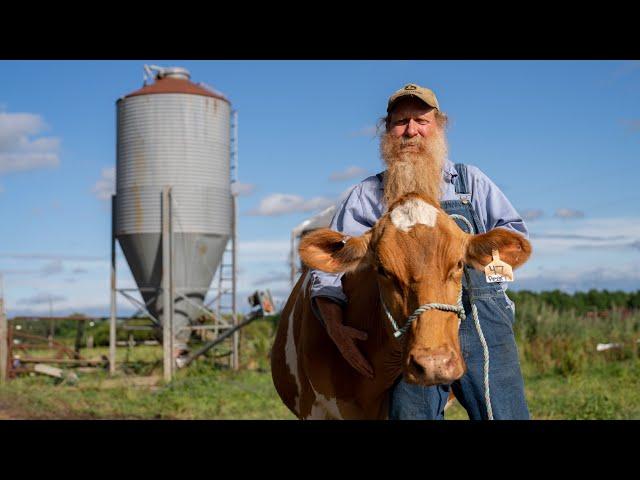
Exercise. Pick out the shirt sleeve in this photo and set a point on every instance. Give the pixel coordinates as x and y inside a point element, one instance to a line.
<point>492,205</point>
<point>352,217</point>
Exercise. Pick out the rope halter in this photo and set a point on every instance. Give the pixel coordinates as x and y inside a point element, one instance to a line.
<point>397,332</point>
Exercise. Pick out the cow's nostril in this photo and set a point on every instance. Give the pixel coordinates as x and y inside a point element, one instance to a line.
<point>416,367</point>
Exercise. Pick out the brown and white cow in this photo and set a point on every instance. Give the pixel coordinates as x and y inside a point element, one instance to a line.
<point>413,255</point>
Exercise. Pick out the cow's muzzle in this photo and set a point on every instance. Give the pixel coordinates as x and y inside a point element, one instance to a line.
<point>426,366</point>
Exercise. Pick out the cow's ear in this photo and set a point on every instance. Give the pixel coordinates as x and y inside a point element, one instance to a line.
<point>513,247</point>
<point>333,252</point>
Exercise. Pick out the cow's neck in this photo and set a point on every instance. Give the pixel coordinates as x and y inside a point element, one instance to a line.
<point>365,313</point>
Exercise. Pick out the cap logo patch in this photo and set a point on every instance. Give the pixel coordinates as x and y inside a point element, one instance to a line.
<point>410,87</point>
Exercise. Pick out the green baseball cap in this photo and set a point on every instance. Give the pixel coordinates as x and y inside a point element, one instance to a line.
<point>411,89</point>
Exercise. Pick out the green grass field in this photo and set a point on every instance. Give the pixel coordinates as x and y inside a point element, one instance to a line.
<point>565,378</point>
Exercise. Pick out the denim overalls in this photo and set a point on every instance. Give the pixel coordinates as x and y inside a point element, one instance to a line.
<point>496,316</point>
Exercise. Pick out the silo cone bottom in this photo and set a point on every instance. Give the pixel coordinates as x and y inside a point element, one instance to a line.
<point>196,259</point>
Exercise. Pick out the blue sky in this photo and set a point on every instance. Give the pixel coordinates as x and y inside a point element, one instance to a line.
<point>561,138</point>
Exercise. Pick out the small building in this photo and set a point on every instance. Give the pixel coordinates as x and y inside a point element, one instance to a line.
<point>319,220</point>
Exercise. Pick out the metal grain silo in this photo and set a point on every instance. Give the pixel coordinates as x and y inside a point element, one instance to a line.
<point>176,133</point>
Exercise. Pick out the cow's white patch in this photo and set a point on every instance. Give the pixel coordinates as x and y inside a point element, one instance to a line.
<point>317,413</point>
<point>324,408</point>
<point>305,282</point>
<point>291,358</point>
<point>414,211</point>
<point>291,355</point>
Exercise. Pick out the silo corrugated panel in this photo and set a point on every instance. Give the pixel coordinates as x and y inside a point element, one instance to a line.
<point>180,140</point>
<point>175,133</point>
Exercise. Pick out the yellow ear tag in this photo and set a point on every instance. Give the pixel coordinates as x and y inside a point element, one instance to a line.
<point>497,270</point>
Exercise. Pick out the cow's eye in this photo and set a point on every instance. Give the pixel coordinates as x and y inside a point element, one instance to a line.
<point>460,265</point>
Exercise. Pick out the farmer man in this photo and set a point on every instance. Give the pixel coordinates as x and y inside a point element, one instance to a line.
<point>414,150</point>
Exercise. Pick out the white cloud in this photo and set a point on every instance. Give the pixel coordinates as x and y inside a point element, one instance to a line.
<point>553,236</point>
<point>14,127</point>
<point>573,236</point>
<point>18,152</point>
<point>106,186</point>
<point>283,203</point>
<point>242,189</point>
<point>530,215</point>
<point>569,213</point>
<point>260,261</point>
<point>348,174</point>
<point>52,268</point>
<point>18,162</point>
<point>580,278</point>
<point>273,250</point>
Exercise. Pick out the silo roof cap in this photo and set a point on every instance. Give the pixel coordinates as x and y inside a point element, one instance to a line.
<point>176,84</point>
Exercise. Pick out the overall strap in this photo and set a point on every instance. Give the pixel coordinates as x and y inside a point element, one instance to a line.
<point>380,177</point>
<point>461,181</point>
<point>464,193</point>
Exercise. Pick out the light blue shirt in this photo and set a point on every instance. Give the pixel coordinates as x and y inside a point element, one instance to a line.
<point>365,205</point>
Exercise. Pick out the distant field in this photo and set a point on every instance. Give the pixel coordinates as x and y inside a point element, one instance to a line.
<point>565,377</point>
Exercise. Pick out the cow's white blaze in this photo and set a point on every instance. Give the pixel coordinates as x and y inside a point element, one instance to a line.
<point>412,212</point>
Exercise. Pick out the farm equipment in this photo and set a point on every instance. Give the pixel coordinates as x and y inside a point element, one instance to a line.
<point>21,345</point>
<point>263,306</point>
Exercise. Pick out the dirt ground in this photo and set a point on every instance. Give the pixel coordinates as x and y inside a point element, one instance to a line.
<point>9,412</point>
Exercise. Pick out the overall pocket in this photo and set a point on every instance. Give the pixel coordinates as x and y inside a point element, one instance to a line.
<point>504,308</point>
<point>496,319</point>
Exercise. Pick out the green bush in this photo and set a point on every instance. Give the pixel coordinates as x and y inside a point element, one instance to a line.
<point>100,332</point>
<point>552,341</point>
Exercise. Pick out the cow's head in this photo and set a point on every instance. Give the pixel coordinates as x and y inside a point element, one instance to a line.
<point>417,252</point>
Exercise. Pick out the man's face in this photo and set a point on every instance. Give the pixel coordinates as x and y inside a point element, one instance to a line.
<point>414,149</point>
<point>412,118</point>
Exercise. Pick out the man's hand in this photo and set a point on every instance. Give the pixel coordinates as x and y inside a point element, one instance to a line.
<point>343,336</point>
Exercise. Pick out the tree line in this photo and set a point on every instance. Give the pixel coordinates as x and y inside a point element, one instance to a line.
<point>580,302</point>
